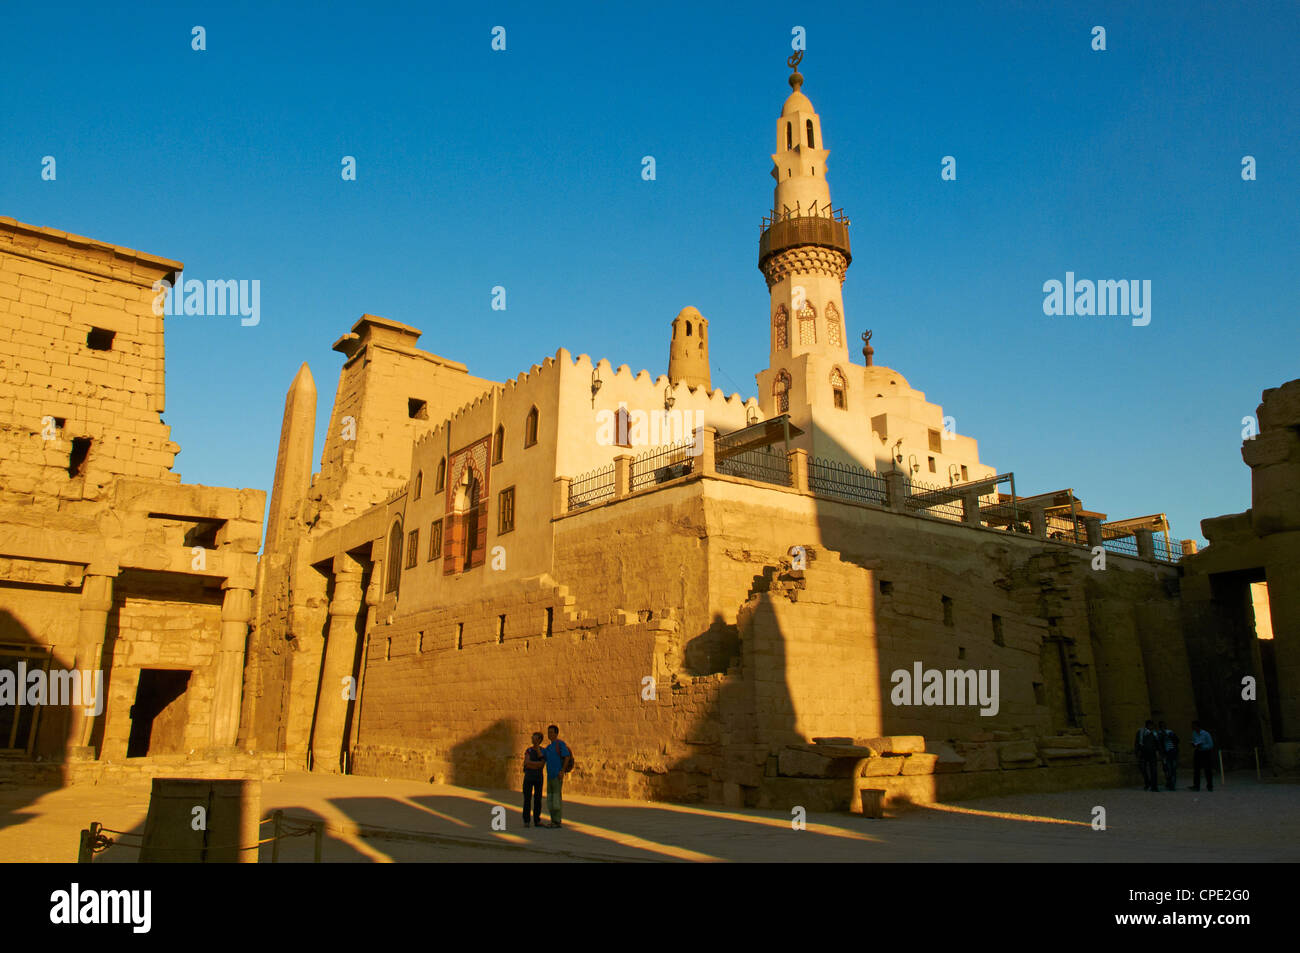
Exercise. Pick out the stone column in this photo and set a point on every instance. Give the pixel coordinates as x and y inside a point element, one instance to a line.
<point>708,459</point>
<point>970,507</point>
<point>561,497</point>
<point>896,490</point>
<point>340,652</point>
<point>1038,522</point>
<point>799,470</point>
<point>623,475</point>
<point>92,623</point>
<point>1146,543</point>
<point>1093,527</point>
<point>236,609</point>
<point>1284,609</point>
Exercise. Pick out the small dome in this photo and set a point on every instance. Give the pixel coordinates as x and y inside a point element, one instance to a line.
<point>886,377</point>
<point>689,313</point>
<point>797,101</point>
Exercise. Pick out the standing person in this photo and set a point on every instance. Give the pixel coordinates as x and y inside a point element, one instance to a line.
<point>1147,747</point>
<point>534,762</point>
<point>1169,753</point>
<point>559,761</point>
<point>1202,748</point>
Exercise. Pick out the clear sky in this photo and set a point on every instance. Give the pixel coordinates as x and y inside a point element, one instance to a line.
<point>522,168</point>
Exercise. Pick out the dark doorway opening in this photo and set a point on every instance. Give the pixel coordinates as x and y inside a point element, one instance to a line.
<point>158,715</point>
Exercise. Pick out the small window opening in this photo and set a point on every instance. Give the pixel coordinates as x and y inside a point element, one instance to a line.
<point>947,611</point>
<point>77,456</point>
<point>997,630</point>
<point>417,409</point>
<point>100,339</point>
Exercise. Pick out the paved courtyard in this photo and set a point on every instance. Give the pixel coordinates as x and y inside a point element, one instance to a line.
<point>374,820</point>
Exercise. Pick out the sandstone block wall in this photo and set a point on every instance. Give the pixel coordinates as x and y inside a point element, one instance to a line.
<point>54,289</point>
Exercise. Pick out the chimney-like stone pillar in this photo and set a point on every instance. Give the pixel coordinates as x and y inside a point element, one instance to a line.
<point>896,490</point>
<point>1146,543</point>
<point>1093,526</point>
<point>799,471</point>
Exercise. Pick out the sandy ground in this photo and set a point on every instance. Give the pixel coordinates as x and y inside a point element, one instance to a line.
<point>374,820</point>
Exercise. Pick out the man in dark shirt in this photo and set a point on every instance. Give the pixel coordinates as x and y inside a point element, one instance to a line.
<point>1169,755</point>
<point>1146,746</point>
<point>534,763</point>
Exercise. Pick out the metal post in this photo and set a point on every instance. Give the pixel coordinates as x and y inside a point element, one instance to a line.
<point>86,852</point>
<point>1015,509</point>
<point>277,821</point>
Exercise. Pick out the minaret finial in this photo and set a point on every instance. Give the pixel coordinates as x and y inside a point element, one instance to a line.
<point>867,349</point>
<point>796,78</point>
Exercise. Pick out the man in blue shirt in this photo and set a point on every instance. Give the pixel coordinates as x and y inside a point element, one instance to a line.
<point>559,761</point>
<point>1202,748</point>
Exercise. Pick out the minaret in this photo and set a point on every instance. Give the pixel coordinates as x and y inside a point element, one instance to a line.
<point>293,462</point>
<point>804,249</point>
<point>688,353</point>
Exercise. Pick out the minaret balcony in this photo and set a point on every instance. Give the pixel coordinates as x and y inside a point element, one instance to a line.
<point>780,233</point>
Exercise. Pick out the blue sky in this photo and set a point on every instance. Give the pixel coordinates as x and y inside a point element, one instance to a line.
<point>522,168</point>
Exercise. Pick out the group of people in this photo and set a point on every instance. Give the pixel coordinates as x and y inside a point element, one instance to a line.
<point>1159,746</point>
<point>556,760</point>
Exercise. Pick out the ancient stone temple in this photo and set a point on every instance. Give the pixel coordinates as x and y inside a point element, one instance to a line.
<point>117,581</point>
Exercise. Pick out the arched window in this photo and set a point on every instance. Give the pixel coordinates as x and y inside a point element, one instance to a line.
<point>781,391</point>
<point>622,427</point>
<point>807,324</point>
<point>833,325</point>
<point>839,389</point>
<point>781,328</point>
<point>394,571</point>
<point>811,143</point>
<point>789,135</point>
<point>441,480</point>
<point>688,329</point>
<point>471,519</point>
<point>499,445</point>
<point>530,428</point>
<point>419,483</point>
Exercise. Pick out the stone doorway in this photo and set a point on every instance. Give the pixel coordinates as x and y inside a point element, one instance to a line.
<point>158,715</point>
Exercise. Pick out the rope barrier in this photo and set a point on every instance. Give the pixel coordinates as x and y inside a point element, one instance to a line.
<point>95,840</point>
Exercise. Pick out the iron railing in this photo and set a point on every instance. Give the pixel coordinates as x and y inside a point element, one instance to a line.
<point>592,488</point>
<point>927,499</point>
<point>761,465</point>
<point>661,465</point>
<point>846,481</point>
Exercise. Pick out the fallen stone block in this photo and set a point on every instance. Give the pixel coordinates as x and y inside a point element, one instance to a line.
<point>894,744</point>
<point>920,763</point>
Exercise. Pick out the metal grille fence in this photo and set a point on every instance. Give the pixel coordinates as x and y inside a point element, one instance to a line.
<point>1169,549</point>
<point>662,465</point>
<point>926,499</point>
<point>761,465</point>
<point>846,481</point>
<point>1121,545</point>
<point>591,488</point>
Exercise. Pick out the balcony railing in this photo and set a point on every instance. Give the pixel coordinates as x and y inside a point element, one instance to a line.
<point>780,233</point>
